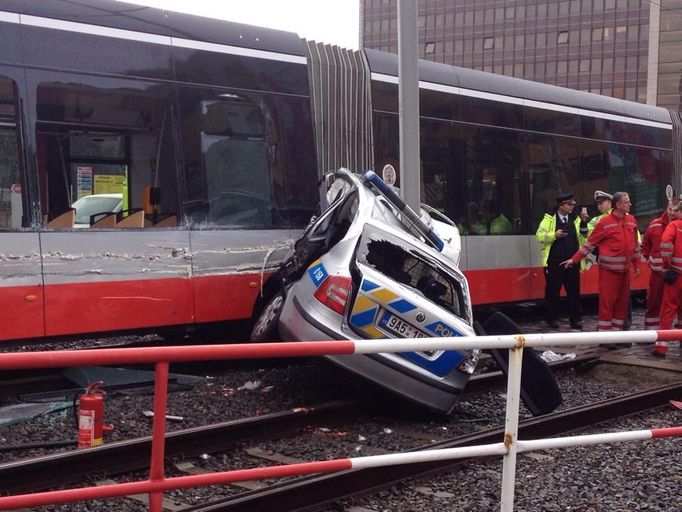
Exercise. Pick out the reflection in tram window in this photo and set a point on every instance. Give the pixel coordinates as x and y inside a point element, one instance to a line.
<point>235,158</point>
<point>493,165</point>
<point>11,209</point>
<point>244,161</point>
<point>104,138</point>
<point>554,164</point>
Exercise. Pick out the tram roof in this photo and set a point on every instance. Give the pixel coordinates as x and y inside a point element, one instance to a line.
<point>125,16</point>
<point>443,74</point>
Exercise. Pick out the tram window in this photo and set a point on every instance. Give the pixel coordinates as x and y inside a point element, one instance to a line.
<point>11,208</point>
<point>235,161</point>
<point>491,113</point>
<point>385,96</point>
<point>493,190</point>
<point>640,171</point>
<point>438,105</point>
<point>237,147</point>
<point>109,140</point>
<point>551,121</point>
<point>553,164</point>
<point>441,167</point>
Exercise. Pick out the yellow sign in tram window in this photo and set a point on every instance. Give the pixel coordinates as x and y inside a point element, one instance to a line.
<point>109,183</point>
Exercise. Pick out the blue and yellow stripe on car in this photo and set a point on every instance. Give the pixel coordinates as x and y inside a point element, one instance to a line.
<point>364,317</point>
<point>366,307</point>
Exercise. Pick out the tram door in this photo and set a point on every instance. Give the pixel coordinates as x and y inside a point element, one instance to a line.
<point>21,315</point>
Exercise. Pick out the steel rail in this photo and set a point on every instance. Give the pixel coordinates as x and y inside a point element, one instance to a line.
<point>114,458</point>
<point>311,493</point>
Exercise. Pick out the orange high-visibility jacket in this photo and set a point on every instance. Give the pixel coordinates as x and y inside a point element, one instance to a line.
<point>651,243</point>
<point>617,239</point>
<point>671,246</point>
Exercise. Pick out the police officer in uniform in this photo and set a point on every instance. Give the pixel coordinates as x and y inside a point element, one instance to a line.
<point>561,234</point>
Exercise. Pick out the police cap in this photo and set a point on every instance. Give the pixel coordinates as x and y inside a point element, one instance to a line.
<point>600,196</point>
<point>566,196</point>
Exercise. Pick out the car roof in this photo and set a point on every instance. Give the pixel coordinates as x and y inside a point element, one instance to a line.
<point>117,196</point>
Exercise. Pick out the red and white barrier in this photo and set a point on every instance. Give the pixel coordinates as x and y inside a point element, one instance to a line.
<point>162,356</point>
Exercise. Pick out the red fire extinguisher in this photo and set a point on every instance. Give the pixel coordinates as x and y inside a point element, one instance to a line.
<point>91,425</point>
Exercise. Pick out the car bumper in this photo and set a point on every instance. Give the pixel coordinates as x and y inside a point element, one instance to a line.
<point>435,393</point>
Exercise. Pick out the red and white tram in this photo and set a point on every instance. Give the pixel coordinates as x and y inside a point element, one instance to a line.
<point>209,138</point>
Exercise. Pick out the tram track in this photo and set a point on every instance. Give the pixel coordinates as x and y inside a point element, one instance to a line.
<point>131,455</point>
<point>311,493</point>
<point>125,456</point>
<point>302,493</point>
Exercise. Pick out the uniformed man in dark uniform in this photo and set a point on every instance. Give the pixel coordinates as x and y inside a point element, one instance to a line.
<point>560,234</point>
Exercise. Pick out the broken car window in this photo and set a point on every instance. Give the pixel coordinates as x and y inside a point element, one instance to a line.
<point>405,264</point>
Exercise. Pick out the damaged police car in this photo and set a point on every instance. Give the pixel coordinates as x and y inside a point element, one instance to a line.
<point>369,267</point>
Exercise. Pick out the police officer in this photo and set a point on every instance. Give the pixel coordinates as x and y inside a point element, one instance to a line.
<point>560,236</point>
<point>603,202</point>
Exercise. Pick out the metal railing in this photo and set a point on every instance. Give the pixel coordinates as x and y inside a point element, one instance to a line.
<point>157,483</point>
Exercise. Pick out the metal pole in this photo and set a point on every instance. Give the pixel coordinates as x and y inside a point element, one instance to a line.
<point>511,429</point>
<point>156,472</point>
<point>408,88</point>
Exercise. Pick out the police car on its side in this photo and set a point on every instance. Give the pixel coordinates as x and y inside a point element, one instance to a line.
<point>369,267</point>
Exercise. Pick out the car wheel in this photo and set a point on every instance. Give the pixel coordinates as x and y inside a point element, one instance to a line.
<point>265,328</point>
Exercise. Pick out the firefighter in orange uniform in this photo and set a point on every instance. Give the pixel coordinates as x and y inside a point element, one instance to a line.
<point>616,237</point>
<point>651,252</point>
<point>671,251</point>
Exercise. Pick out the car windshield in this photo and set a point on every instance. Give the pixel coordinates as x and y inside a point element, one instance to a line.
<point>406,265</point>
<point>90,205</point>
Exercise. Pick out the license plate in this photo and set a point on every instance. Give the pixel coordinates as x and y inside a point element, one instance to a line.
<point>398,327</point>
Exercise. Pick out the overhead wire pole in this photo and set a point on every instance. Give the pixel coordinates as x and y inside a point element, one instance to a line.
<point>408,90</point>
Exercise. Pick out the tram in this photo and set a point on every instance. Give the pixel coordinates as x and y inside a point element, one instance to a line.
<point>198,144</point>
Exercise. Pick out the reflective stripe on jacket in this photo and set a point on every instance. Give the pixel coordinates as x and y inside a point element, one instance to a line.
<point>546,235</point>
<point>618,242</point>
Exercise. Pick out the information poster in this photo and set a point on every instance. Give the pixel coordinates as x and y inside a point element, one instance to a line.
<point>84,181</point>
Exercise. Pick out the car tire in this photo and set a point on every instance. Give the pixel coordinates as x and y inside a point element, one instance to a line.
<point>266,325</point>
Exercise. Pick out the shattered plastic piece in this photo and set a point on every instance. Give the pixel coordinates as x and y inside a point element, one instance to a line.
<point>388,431</point>
<point>362,439</point>
<point>267,389</point>
<point>250,385</point>
<point>150,414</point>
<point>676,404</point>
<point>550,356</point>
<point>204,456</point>
<point>358,448</point>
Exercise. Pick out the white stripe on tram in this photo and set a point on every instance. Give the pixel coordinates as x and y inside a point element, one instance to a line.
<point>132,35</point>
<point>460,91</point>
<point>94,30</point>
<point>236,50</point>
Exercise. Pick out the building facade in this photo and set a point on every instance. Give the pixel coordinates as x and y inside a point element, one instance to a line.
<point>628,49</point>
